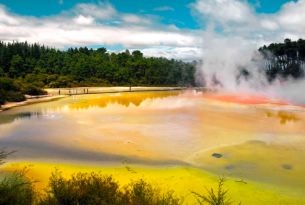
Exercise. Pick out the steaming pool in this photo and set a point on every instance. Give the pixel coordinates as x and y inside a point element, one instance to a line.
<point>181,140</point>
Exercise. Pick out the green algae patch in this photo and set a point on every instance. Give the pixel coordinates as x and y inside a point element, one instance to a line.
<point>181,180</point>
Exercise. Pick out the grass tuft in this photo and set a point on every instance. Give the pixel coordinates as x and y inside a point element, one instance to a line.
<point>215,198</point>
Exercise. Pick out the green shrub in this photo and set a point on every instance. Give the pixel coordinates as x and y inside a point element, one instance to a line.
<point>2,97</point>
<point>17,189</point>
<point>10,90</point>
<point>12,96</point>
<point>96,188</point>
<point>141,192</point>
<point>32,90</point>
<point>82,188</point>
<point>7,84</point>
<point>2,74</point>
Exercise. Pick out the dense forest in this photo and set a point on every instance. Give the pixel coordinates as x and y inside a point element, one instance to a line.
<point>27,68</point>
<point>284,59</point>
<point>48,67</point>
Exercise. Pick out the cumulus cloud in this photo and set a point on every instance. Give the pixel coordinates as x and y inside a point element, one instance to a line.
<point>181,53</point>
<point>224,11</point>
<point>164,8</point>
<point>238,18</point>
<point>132,18</point>
<point>97,24</point>
<point>7,20</point>
<point>269,24</point>
<point>101,10</point>
<point>82,20</point>
<point>292,15</point>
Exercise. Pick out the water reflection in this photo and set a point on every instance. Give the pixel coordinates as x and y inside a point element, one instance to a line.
<point>6,119</point>
<point>284,117</point>
<point>126,99</point>
<point>80,102</point>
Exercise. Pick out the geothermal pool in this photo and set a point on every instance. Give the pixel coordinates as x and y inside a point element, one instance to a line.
<point>169,138</point>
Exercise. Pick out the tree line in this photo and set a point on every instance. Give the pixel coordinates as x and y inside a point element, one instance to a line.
<point>284,59</point>
<point>28,68</point>
<point>49,67</point>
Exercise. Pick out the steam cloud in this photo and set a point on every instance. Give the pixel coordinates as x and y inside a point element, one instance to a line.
<point>231,66</point>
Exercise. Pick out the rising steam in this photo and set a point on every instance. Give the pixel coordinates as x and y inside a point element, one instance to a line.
<point>232,66</point>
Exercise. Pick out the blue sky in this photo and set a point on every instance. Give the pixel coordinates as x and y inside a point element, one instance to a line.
<point>180,16</point>
<point>174,28</point>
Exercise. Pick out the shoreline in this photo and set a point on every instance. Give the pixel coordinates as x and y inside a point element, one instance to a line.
<point>28,101</point>
<point>97,90</point>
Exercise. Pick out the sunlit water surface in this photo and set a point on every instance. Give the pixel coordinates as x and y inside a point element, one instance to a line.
<point>259,143</point>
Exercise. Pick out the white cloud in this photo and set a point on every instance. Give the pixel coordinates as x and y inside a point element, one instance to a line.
<point>238,18</point>
<point>132,18</point>
<point>61,2</point>
<point>224,11</point>
<point>98,24</point>
<point>100,11</point>
<point>292,15</point>
<point>164,8</point>
<point>269,24</point>
<point>180,53</point>
<point>82,20</point>
<point>7,19</point>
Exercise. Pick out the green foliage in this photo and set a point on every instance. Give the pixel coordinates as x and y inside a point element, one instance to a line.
<point>215,198</point>
<point>8,84</point>
<point>17,189</point>
<point>16,68</point>
<point>141,192</point>
<point>2,74</point>
<point>13,90</point>
<point>96,188</point>
<point>10,91</point>
<point>83,188</point>
<point>32,90</point>
<point>2,97</point>
<point>12,96</point>
<point>32,62</point>
<point>284,59</point>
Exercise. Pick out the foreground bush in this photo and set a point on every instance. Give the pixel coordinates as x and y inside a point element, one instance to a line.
<point>17,189</point>
<point>141,192</point>
<point>96,188</point>
<point>82,188</point>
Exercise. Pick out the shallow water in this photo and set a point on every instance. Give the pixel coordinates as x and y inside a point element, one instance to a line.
<point>259,142</point>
